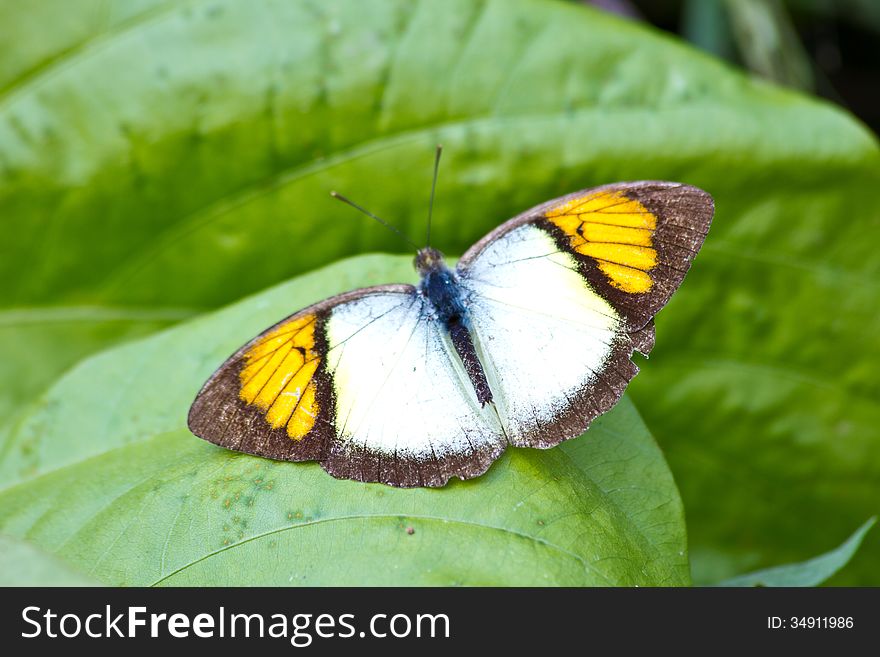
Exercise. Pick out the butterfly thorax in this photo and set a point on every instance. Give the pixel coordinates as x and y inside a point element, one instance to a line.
<point>441,287</point>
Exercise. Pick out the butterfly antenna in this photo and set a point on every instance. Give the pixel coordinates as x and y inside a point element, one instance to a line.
<point>437,154</point>
<point>393,229</point>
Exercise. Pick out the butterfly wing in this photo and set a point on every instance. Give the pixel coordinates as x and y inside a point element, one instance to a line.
<point>365,382</point>
<point>369,384</point>
<point>561,296</point>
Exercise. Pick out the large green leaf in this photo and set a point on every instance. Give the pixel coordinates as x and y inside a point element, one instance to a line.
<point>174,156</point>
<point>106,476</point>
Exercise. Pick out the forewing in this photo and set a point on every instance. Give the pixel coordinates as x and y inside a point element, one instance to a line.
<point>561,296</point>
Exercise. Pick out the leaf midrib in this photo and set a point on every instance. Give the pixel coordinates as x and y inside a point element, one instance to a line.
<point>215,208</point>
<point>65,314</point>
<point>389,516</point>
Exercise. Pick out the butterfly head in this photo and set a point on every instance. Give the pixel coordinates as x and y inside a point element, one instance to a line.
<point>427,260</point>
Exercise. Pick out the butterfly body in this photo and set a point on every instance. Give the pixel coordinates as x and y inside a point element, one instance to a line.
<point>442,289</point>
<point>524,343</point>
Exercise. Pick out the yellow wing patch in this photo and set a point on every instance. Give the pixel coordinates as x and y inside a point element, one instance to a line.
<point>277,376</point>
<point>615,230</point>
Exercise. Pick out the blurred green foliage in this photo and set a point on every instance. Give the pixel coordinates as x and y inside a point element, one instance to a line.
<point>763,33</point>
<point>160,159</point>
<point>828,47</point>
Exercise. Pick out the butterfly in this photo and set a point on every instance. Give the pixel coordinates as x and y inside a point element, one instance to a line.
<point>524,342</point>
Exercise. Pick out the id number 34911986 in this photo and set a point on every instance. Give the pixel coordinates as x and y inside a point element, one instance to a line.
<point>810,622</point>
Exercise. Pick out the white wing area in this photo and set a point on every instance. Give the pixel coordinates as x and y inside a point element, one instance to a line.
<point>400,389</point>
<point>542,334</point>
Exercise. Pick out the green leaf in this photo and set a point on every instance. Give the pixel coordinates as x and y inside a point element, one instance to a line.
<point>104,474</point>
<point>175,156</point>
<point>25,565</point>
<point>808,573</point>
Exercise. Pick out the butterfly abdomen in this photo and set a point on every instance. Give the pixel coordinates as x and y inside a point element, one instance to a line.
<point>441,287</point>
<point>464,347</point>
